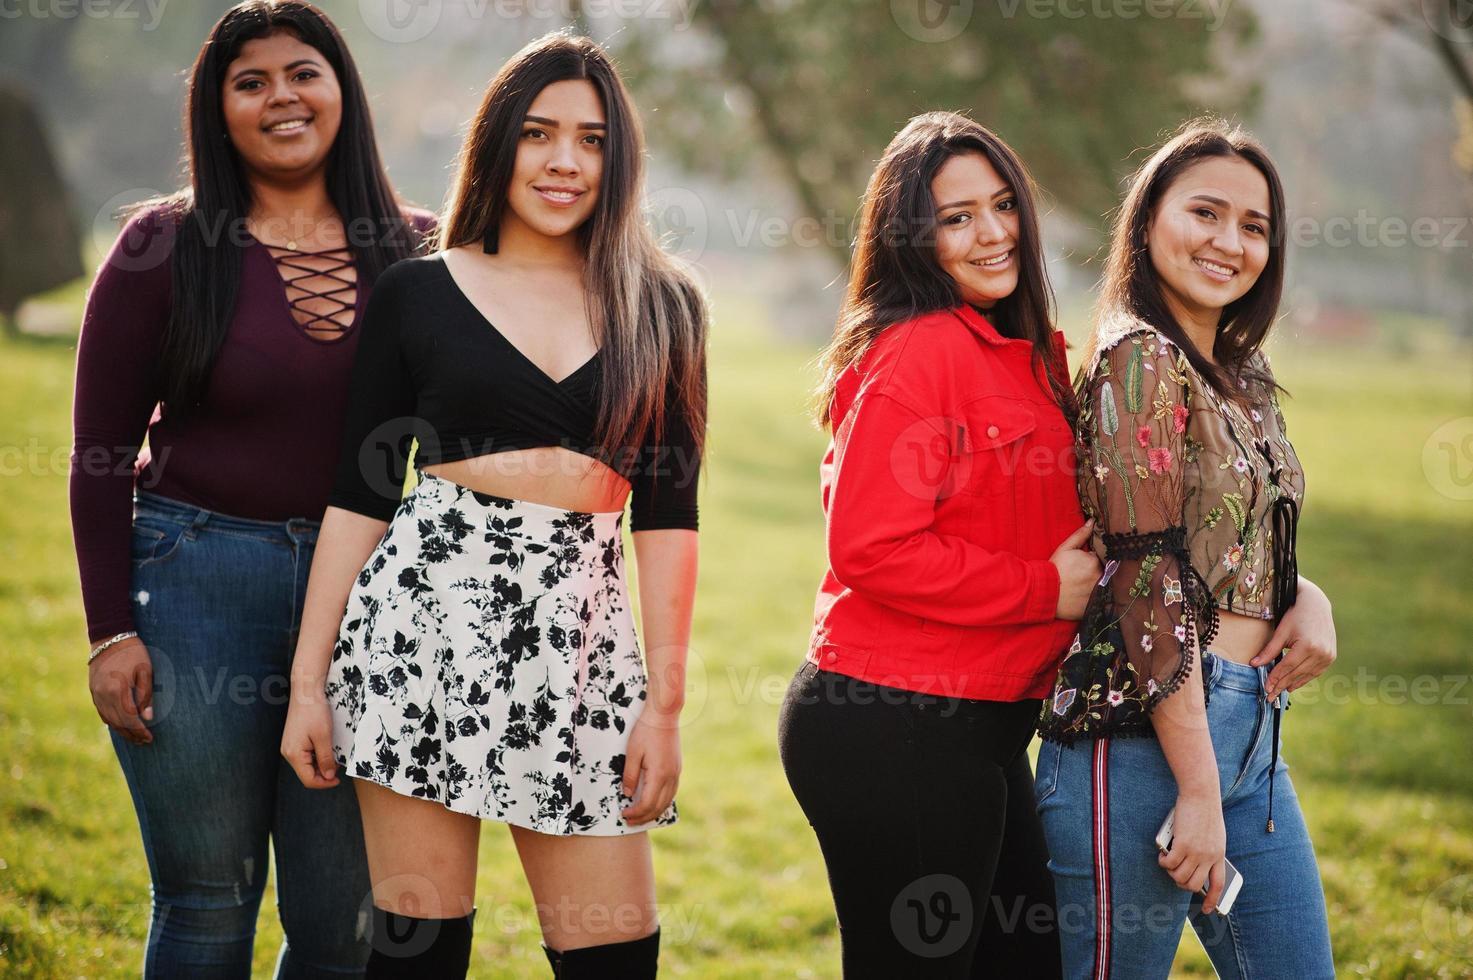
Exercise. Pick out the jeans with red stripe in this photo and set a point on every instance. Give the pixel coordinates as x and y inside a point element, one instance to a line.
<point>923,808</point>
<point>1120,914</point>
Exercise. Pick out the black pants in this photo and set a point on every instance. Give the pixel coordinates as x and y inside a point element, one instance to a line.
<point>923,807</point>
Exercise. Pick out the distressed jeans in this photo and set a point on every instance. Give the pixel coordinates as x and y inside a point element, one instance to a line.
<point>218,601</point>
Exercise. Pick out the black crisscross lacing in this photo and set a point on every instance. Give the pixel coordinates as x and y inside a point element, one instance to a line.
<point>331,310</point>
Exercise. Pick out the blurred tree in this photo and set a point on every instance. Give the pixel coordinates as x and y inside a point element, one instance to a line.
<point>1445,27</point>
<point>1442,25</point>
<point>822,85</point>
<point>39,246</point>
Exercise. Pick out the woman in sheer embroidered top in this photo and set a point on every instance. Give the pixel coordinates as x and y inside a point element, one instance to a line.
<point>1184,485</point>
<point>1200,622</point>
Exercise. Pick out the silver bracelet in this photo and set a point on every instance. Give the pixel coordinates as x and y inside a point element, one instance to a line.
<point>109,642</point>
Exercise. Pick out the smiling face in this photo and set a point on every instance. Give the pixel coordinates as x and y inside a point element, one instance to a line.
<point>977,228</point>
<point>554,184</point>
<point>282,106</point>
<point>1209,238</point>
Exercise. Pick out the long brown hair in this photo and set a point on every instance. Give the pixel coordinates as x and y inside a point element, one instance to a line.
<point>894,274</point>
<point>1130,284</point>
<point>645,309</point>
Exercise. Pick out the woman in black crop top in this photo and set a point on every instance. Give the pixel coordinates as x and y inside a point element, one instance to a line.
<point>474,640</point>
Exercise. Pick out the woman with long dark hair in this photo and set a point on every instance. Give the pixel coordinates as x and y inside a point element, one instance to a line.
<point>232,307</point>
<point>1195,489</point>
<point>955,569</point>
<point>468,651</point>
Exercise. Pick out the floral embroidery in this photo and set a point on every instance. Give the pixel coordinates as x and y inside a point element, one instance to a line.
<point>1164,460</point>
<point>1179,416</point>
<point>1233,557</point>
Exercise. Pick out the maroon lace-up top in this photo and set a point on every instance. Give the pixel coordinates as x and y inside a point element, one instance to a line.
<point>263,442</point>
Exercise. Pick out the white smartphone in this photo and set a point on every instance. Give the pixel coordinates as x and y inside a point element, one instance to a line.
<point>1230,887</point>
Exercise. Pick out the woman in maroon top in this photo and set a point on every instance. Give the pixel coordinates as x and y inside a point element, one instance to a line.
<point>955,570</point>
<point>221,326</point>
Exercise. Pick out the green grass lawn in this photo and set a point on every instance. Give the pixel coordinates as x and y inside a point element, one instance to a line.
<point>1382,765</point>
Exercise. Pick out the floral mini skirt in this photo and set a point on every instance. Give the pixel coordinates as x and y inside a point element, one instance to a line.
<point>488,660</point>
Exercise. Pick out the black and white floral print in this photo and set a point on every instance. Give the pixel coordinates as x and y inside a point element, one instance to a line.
<point>488,660</point>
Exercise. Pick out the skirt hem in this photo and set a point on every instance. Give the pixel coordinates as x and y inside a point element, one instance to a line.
<point>619,831</point>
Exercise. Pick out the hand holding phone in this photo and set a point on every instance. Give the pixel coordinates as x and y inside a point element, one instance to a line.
<point>1233,882</point>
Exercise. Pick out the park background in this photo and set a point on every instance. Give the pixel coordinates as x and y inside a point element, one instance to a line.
<point>764,119</point>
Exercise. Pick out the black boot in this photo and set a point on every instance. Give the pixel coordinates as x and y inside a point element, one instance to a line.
<point>636,959</point>
<point>406,948</point>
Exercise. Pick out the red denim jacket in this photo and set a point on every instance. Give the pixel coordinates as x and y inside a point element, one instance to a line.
<point>946,487</point>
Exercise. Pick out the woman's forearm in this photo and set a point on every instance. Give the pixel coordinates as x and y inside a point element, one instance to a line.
<point>344,543</point>
<point>667,565</point>
<point>1180,721</point>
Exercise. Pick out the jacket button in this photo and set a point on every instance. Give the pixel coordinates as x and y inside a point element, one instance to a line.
<point>992,431</point>
<point>831,656</point>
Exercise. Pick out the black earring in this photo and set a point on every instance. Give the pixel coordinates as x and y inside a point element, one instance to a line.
<point>488,242</point>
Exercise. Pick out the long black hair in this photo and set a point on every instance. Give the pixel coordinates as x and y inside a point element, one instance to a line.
<point>211,211</point>
<point>1131,285</point>
<point>894,274</point>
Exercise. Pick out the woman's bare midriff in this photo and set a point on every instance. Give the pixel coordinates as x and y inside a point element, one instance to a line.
<point>1240,638</point>
<point>551,475</point>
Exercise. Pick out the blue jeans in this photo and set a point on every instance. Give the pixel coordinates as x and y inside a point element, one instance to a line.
<point>218,600</point>
<point>1102,803</point>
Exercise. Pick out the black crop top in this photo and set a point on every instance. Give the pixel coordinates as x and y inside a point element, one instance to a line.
<point>430,366</point>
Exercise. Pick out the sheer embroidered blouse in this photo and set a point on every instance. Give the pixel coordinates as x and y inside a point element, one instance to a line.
<point>1196,501</point>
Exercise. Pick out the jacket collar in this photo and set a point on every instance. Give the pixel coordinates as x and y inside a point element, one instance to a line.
<point>980,325</point>
<point>983,328</point>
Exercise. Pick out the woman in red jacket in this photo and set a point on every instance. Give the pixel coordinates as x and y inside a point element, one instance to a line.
<point>955,569</point>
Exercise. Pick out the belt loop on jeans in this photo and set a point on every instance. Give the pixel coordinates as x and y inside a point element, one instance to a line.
<point>301,530</point>
<point>200,519</point>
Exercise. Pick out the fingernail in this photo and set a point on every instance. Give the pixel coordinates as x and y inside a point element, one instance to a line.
<point>148,713</point>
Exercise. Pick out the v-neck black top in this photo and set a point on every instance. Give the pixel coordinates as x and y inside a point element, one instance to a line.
<point>430,366</point>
